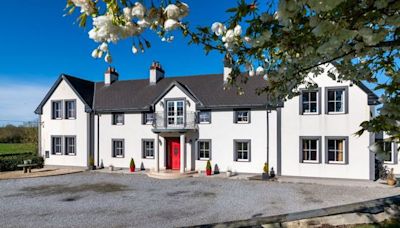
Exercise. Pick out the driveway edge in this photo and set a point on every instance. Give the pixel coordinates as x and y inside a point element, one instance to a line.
<point>371,206</point>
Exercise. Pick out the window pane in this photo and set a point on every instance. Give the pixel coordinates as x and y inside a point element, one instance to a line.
<point>305,96</point>
<point>331,107</point>
<point>331,95</point>
<point>339,95</point>
<point>331,144</point>
<point>313,155</point>
<point>313,107</point>
<point>339,107</point>
<point>306,107</point>
<point>313,96</point>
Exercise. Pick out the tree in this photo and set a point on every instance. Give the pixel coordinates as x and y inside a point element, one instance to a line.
<point>288,43</point>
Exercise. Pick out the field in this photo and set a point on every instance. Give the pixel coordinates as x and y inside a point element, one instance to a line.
<point>16,148</point>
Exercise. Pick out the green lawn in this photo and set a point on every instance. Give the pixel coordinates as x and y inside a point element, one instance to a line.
<point>6,148</point>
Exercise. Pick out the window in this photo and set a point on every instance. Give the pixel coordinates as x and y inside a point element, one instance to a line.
<point>70,145</point>
<point>336,150</point>
<point>118,148</point>
<point>148,118</point>
<point>70,109</point>
<point>175,112</point>
<point>56,110</point>
<point>243,116</point>
<point>387,152</point>
<point>336,100</point>
<point>309,149</point>
<point>56,145</point>
<point>204,149</point>
<point>118,119</point>
<point>309,102</point>
<point>205,117</point>
<point>148,148</point>
<point>242,150</point>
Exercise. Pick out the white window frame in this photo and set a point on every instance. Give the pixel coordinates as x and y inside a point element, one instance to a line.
<point>115,119</point>
<point>336,150</point>
<point>335,100</point>
<point>309,102</point>
<point>241,114</point>
<point>147,120</point>
<point>68,146</point>
<point>205,120</point>
<point>173,114</point>
<point>203,150</point>
<point>241,150</point>
<point>147,151</point>
<point>310,150</point>
<point>53,146</point>
<point>55,111</point>
<point>120,149</point>
<point>70,112</point>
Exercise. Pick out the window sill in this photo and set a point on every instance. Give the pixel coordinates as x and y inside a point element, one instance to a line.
<point>336,113</point>
<point>311,113</point>
<point>70,118</point>
<point>204,122</point>
<point>203,159</point>
<point>389,163</point>
<point>310,162</point>
<point>336,163</point>
<point>242,160</point>
<point>118,157</point>
<point>242,122</point>
<point>148,157</point>
<point>71,154</point>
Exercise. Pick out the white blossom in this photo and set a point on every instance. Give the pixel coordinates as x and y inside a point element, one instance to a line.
<point>251,73</point>
<point>229,36</point>
<point>184,9</point>
<point>143,23</point>
<point>259,71</point>
<point>138,10</point>
<point>134,49</point>
<point>104,30</point>
<point>170,24</point>
<point>95,53</point>
<point>237,30</point>
<point>104,47</point>
<point>218,28</point>
<point>172,11</point>
<point>247,39</point>
<point>108,58</point>
<point>85,5</point>
<point>265,77</point>
<point>99,54</point>
<point>127,13</point>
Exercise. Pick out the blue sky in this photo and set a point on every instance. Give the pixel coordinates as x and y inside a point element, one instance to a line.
<point>38,44</point>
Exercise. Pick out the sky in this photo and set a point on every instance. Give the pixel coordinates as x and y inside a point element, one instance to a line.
<point>38,44</point>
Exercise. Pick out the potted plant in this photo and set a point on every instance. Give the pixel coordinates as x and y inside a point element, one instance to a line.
<point>265,174</point>
<point>391,179</point>
<point>132,166</point>
<point>208,168</point>
<point>91,163</point>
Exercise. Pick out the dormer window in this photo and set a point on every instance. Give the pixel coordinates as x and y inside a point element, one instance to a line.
<point>118,119</point>
<point>205,117</point>
<point>242,116</point>
<point>148,118</point>
<point>56,110</point>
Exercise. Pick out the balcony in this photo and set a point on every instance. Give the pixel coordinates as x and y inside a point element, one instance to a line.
<point>174,121</point>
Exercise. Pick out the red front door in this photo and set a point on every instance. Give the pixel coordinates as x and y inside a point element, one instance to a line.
<point>174,147</point>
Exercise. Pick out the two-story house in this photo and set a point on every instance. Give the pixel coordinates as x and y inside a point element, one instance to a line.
<point>180,123</point>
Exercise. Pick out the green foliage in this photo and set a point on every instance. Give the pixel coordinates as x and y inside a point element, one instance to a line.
<point>265,168</point>
<point>91,160</point>
<point>17,148</point>
<point>208,167</point>
<point>10,163</point>
<point>132,163</point>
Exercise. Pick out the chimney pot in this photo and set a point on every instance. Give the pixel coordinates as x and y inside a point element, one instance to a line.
<point>110,76</point>
<point>156,72</point>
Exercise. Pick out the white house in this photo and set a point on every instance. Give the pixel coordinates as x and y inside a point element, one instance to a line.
<point>179,123</point>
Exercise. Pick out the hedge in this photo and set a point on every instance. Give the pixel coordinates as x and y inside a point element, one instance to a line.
<point>10,163</point>
<point>7,154</point>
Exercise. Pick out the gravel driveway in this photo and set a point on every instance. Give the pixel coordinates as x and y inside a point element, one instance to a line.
<point>112,200</point>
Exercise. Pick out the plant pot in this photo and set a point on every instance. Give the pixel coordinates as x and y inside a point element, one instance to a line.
<point>391,182</point>
<point>111,168</point>
<point>92,167</point>
<point>265,176</point>
<point>208,172</point>
<point>228,173</point>
<point>132,169</point>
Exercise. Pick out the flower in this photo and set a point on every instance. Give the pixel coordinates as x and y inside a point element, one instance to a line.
<point>265,77</point>
<point>251,73</point>
<point>218,28</point>
<point>229,36</point>
<point>104,47</point>
<point>247,39</point>
<point>127,13</point>
<point>95,53</point>
<point>134,49</point>
<point>86,6</point>
<point>172,11</point>
<point>104,30</point>
<point>237,30</point>
<point>138,10</point>
<point>170,24</point>
<point>143,23</point>
<point>184,9</point>
<point>259,70</point>
<point>99,54</point>
<point>108,58</point>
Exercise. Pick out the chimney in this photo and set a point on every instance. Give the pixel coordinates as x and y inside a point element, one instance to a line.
<point>227,70</point>
<point>110,76</point>
<point>156,72</point>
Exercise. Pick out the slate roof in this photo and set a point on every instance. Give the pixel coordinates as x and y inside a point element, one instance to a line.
<point>207,90</point>
<point>138,95</point>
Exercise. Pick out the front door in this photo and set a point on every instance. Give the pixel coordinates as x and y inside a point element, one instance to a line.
<point>174,147</point>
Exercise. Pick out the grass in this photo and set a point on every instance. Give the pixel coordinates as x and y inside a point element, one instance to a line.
<point>16,148</point>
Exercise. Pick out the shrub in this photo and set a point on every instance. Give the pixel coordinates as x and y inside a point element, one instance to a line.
<point>208,167</point>
<point>132,164</point>
<point>10,163</point>
<point>265,167</point>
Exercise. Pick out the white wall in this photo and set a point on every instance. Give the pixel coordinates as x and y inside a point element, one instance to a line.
<point>295,125</point>
<point>77,127</point>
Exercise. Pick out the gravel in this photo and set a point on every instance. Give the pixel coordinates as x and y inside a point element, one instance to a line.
<point>113,200</point>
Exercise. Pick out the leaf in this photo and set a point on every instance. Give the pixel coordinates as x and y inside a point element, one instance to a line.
<point>231,10</point>
<point>148,44</point>
<point>82,20</point>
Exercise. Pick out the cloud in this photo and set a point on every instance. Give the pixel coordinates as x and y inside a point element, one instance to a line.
<point>19,100</point>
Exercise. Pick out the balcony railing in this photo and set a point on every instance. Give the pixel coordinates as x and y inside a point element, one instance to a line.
<point>173,121</point>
